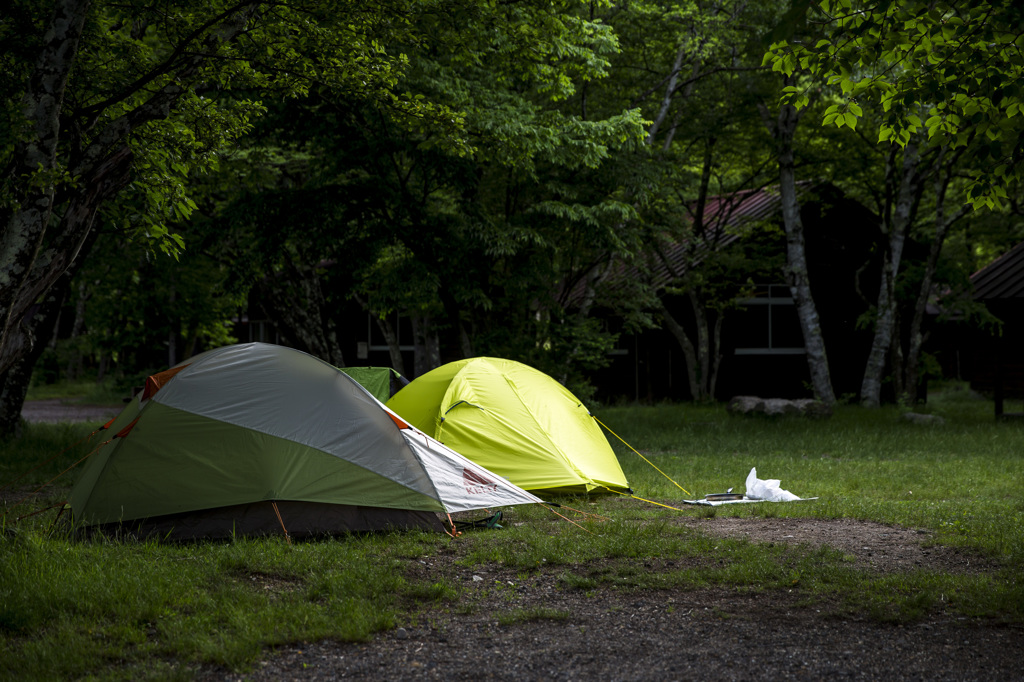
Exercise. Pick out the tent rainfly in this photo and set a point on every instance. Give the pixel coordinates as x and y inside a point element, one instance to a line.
<point>257,439</point>
<point>514,420</point>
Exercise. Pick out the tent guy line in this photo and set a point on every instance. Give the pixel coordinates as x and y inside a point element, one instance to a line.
<point>641,457</point>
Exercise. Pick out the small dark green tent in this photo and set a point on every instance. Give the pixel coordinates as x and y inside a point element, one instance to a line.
<point>382,382</point>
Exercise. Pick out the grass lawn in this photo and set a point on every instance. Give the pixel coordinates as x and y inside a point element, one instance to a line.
<point>87,391</point>
<point>109,609</point>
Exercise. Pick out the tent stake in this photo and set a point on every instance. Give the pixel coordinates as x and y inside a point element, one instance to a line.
<point>281,521</point>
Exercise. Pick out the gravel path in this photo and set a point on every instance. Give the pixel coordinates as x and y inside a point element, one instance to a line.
<point>714,634</point>
<point>56,411</point>
<point>512,627</point>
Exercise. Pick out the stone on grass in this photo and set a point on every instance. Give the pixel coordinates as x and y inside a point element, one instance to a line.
<point>778,407</point>
<point>926,419</point>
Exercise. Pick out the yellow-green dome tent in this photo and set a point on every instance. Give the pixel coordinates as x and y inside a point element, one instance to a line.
<point>515,421</point>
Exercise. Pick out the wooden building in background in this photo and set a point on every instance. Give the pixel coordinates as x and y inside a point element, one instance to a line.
<point>997,361</point>
<point>762,348</point>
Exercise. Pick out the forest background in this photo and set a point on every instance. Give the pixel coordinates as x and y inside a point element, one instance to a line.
<point>483,169</point>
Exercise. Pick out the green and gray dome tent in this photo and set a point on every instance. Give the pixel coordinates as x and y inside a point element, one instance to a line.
<point>516,421</point>
<point>255,439</point>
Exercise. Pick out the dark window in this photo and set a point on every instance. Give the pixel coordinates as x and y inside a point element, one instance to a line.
<point>769,325</point>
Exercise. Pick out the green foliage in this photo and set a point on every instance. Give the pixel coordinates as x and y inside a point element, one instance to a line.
<point>399,219</point>
<point>950,71</point>
<point>156,96</point>
<point>133,55</point>
<point>138,304</point>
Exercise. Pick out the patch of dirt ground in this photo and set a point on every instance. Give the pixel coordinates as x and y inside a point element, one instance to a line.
<point>871,545</point>
<point>55,411</point>
<point>515,626</point>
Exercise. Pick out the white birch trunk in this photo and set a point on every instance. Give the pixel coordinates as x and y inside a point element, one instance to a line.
<point>897,222</point>
<point>943,222</point>
<point>796,259</point>
<point>666,100</point>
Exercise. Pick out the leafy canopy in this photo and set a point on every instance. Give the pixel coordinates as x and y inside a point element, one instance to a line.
<point>181,81</point>
<point>948,70</point>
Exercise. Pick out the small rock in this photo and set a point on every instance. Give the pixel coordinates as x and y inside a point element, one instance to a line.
<point>926,419</point>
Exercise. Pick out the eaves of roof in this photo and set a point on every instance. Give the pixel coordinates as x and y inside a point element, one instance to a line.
<point>724,216</point>
<point>1002,278</point>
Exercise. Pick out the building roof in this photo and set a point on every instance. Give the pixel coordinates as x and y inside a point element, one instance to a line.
<point>723,215</point>
<point>1002,278</point>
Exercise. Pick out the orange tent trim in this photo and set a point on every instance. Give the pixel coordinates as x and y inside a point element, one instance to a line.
<point>157,381</point>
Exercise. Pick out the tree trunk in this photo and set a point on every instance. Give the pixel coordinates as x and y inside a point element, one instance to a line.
<point>796,257</point>
<point>62,255</point>
<point>303,313</point>
<point>24,227</point>
<point>896,357</point>
<point>427,355</point>
<point>191,341</point>
<point>35,329</point>
<point>391,336</point>
<point>702,192</point>
<point>716,356</point>
<point>387,328</point>
<point>703,345</point>
<point>942,224</point>
<point>702,359</point>
<point>100,170</point>
<point>666,100</point>
<point>689,352</point>
<point>74,367</point>
<point>701,362</point>
<point>458,336</point>
<point>597,274</point>
<point>15,381</point>
<point>897,222</point>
